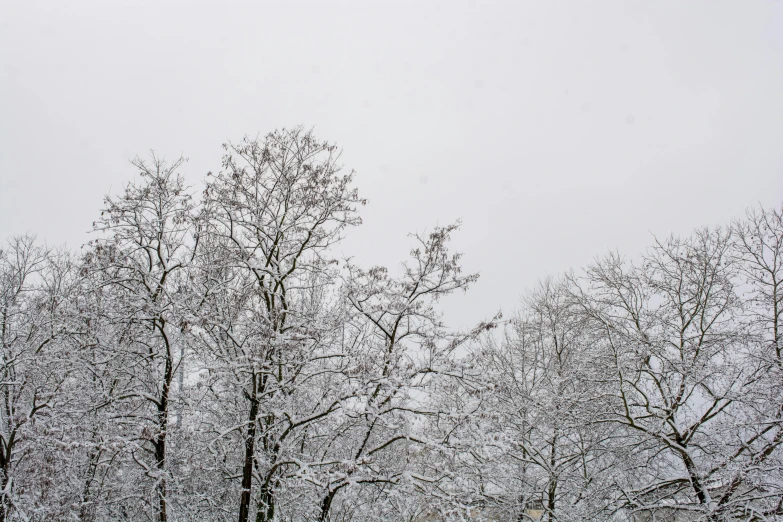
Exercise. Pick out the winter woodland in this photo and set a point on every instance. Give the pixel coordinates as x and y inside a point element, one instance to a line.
<point>205,357</point>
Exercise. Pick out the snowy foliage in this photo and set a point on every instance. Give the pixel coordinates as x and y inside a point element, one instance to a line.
<point>205,357</point>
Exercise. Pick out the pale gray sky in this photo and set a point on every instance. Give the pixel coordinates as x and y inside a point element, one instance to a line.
<point>555,130</point>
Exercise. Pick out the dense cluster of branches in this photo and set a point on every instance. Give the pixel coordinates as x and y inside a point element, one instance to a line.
<point>205,358</point>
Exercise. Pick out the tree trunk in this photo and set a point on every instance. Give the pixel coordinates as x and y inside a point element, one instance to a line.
<point>326,505</point>
<point>163,420</point>
<point>160,455</point>
<point>247,469</point>
<point>86,511</point>
<point>3,499</point>
<point>266,504</point>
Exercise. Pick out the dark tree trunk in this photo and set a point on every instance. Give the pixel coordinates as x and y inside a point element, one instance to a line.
<point>163,420</point>
<point>247,468</point>
<point>266,504</point>
<point>326,505</point>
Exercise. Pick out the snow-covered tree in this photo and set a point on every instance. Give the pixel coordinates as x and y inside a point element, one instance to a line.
<point>210,358</point>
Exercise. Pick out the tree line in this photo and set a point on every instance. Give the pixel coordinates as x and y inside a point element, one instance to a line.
<point>206,357</point>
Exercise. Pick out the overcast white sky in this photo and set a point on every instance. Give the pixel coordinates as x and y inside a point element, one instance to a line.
<point>555,130</point>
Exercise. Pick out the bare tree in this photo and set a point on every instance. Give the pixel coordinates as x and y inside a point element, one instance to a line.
<point>399,341</point>
<point>525,444</point>
<point>675,345</point>
<point>35,284</point>
<point>753,486</point>
<point>274,211</point>
<point>146,245</point>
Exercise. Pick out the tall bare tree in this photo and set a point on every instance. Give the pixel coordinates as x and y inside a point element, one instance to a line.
<point>274,210</point>
<point>146,244</point>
